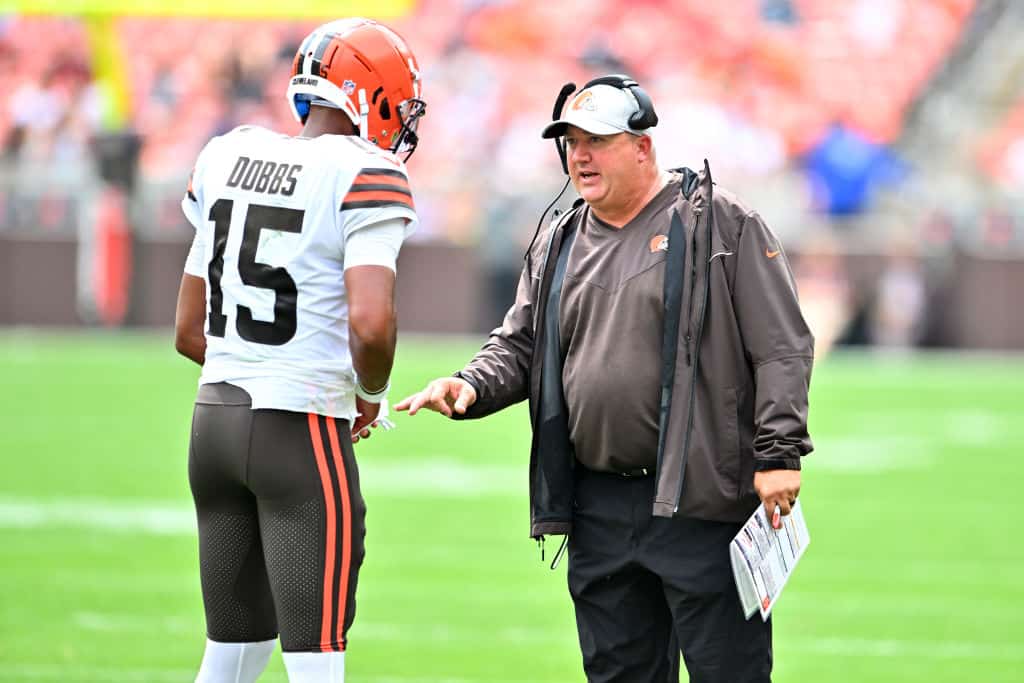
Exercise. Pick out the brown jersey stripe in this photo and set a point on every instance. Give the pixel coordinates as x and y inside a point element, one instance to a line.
<point>376,204</point>
<point>346,531</point>
<point>374,198</point>
<point>369,179</point>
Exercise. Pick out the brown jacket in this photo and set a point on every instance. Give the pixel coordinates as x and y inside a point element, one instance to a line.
<point>734,401</point>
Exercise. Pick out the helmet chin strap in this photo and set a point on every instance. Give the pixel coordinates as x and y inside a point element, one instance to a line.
<point>364,115</point>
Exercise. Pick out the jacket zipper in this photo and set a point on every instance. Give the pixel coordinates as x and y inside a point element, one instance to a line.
<point>696,363</point>
<point>670,337</point>
<point>538,317</point>
<point>693,283</point>
<point>544,264</point>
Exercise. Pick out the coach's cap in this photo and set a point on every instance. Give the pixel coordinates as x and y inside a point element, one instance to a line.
<point>599,109</point>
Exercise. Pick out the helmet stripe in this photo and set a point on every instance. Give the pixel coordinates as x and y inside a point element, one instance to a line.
<point>318,54</point>
<point>303,49</point>
<point>307,60</point>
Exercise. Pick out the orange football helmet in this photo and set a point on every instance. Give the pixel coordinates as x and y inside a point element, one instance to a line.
<point>366,70</point>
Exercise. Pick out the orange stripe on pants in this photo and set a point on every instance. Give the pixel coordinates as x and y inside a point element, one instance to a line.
<point>346,540</point>
<point>325,481</point>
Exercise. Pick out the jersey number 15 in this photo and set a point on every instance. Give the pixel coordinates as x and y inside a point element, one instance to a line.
<point>257,218</point>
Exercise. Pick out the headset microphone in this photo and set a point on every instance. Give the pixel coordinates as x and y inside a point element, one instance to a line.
<point>563,95</point>
<point>567,89</point>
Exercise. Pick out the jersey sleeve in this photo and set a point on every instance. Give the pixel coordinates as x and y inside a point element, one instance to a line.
<point>192,202</point>
<point>375,245</point>
<point>195,264</point>
<point>380,192</point>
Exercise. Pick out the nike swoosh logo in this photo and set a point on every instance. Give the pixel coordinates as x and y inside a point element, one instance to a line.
<point>770,254</point>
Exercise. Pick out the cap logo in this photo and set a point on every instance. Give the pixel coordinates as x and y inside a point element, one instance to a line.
<point>585,100</point>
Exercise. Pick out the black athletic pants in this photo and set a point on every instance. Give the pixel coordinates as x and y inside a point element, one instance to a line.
<point>281,522</point>
<point>645,587</point>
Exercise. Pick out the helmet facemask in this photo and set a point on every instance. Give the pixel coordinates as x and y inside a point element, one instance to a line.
<point>406,138</point>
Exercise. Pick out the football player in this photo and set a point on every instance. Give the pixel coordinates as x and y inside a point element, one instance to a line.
<point>287,303</point>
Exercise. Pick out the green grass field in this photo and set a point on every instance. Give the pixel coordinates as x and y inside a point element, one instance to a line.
<point>913,497</point>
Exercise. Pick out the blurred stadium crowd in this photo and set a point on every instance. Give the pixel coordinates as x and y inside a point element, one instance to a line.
<point>801,106</point>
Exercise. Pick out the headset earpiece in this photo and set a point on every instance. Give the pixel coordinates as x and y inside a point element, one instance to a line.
<point>646,117</point>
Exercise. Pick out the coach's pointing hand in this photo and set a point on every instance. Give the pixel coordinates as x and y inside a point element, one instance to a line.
<point>442,395</point>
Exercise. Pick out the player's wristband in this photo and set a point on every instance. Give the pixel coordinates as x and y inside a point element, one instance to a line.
<point>372,396</point>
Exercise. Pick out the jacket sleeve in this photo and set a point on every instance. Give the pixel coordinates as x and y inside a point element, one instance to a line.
<point>779,346</point>
<point>500,371</point>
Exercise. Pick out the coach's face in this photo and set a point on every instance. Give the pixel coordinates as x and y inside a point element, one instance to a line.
<point>605,169</point>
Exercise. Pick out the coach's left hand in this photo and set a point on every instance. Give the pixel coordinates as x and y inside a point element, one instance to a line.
<point>777,487</point>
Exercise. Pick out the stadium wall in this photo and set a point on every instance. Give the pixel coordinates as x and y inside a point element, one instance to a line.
<point>440,290</point>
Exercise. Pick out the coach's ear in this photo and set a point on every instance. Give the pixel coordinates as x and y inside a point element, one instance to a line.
<point>190,318</point>
<point>644,146</point>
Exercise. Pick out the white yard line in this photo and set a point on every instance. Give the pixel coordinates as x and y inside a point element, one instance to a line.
<point>885,444</point>
<point>129,623</point>
<point>992,610</point>
<point>917,649</point>
<point>836,647</point>
<point>103,515</point>
<point>419,478</point>
<point>878,453</point>
<point>369,630</point>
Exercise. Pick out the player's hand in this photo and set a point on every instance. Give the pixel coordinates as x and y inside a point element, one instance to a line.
<point>366,419</point>
<point>777,487</point>
<point>443,395</point>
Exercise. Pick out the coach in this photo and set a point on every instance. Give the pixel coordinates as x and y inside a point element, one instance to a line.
<point>657,335</point>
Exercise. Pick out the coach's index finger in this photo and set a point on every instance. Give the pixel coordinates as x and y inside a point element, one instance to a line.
<point>404,403</point>
<point>422,398</point>
<point>415,402</point>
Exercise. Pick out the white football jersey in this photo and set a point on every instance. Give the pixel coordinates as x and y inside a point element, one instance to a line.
<point>272,214</point>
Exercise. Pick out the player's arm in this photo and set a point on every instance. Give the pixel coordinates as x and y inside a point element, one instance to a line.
<point>371,254</point>
<point>376,215</point>
<point>371,323</point>
<point>190,314</point>
<point>190,318</point>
